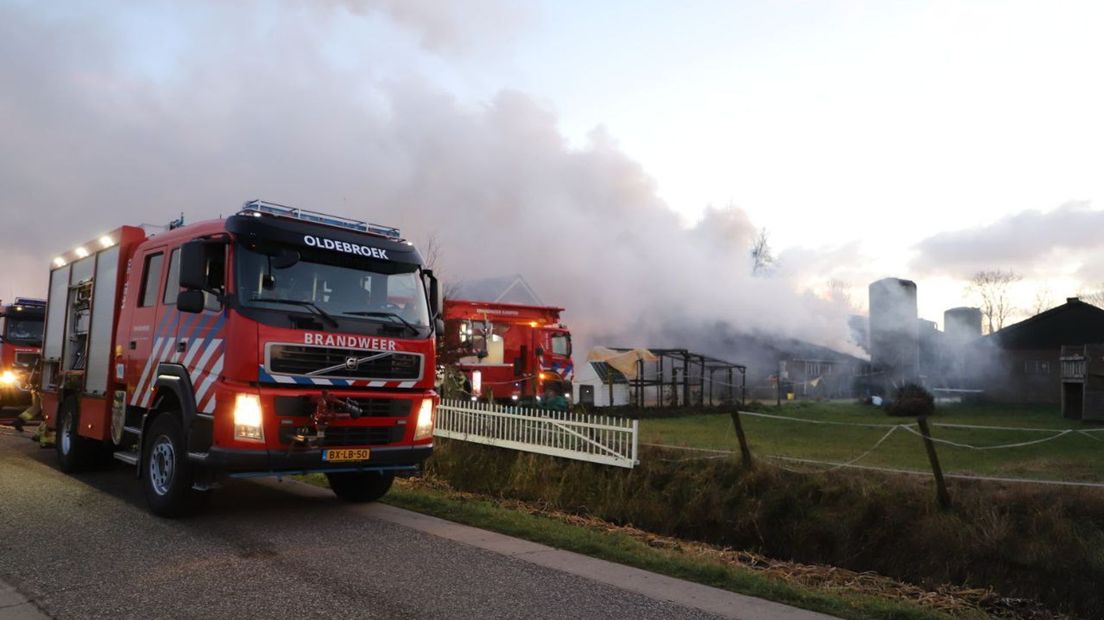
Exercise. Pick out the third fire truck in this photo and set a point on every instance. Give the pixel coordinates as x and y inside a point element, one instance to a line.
<point>510,351</point>
<point>274,341</point>
<point>20,343</point>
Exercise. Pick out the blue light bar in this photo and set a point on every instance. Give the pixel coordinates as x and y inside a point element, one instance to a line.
<point>279,210</point>
<point>26,301</point>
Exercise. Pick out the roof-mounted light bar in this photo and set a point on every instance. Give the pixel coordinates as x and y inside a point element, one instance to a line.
<point>271,208</point>
<point>27,301</point>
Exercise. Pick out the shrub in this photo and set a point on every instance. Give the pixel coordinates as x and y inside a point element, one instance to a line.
<point>912,401</point>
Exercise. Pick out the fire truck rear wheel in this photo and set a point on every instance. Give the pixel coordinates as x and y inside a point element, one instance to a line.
<point>166,471</point>
<point>74,452</point>
<point>360,487</point>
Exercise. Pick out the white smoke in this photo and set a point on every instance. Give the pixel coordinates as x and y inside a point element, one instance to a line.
<point>87,144</point>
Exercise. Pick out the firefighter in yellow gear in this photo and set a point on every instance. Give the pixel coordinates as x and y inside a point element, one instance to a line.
<point>43,435</point>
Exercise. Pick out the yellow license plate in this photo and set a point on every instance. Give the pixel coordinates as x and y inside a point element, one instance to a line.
<point>345,454</point>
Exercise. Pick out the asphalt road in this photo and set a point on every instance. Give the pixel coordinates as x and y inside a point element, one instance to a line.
<point>84,547</point>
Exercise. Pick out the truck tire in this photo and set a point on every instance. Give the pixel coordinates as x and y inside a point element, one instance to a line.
<point>166,471</point>
<point>75,453</point>
<point>359,487</point>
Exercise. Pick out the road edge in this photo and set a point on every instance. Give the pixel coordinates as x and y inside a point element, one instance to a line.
<point>712,600</point>
<point>15,606</point>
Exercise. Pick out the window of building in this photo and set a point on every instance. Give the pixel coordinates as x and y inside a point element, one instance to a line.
<point>151,276</point>
<point>1036,367</point>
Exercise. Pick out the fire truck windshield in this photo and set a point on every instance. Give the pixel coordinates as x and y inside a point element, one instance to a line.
<point>561,344</point>
<point>364,290</point>
<point>23,331</point>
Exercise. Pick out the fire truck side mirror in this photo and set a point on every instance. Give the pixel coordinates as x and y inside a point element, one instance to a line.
<point>193,267</point>
<point>190,300</point>
<point>434,296</point>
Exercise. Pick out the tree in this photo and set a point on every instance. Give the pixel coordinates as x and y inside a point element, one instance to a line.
<point>1044,300</point>
<point>992,290</point>
<point>1095,298</point>
<point>840,292</point>
<point>761,257</point>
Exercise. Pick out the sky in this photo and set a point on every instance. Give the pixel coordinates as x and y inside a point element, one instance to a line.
<point>620,155</point>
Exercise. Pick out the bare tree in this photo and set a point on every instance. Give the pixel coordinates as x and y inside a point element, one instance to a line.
<point>1044,300</point>
<point>992,290</point>
<point>761,256</point>
<point>840,292</point>
<point>1095,298</point>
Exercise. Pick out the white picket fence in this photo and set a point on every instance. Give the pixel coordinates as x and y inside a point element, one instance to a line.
<point>598,439</point>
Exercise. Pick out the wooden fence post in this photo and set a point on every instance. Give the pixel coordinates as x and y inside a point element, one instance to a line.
<point>745,453</point>
<point>937,472</point>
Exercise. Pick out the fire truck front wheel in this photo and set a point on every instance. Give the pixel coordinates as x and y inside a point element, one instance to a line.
<point>74,452</point>
<point>166,472</point>
<point>360,486</point>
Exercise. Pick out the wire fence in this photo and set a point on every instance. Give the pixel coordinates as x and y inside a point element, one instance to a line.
<point>814,465</point>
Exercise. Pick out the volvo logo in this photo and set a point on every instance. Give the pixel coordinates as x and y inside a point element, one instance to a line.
<point>351,363</point>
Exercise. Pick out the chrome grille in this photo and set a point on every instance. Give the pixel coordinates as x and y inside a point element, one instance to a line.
<point>26,360</point>
<point>293,359</point>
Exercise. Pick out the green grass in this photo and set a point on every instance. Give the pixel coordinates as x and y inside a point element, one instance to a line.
<point>624,549</point>
<point>1072,457</point>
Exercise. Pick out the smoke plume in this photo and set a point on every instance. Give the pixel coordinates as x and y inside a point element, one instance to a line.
<point>93,138</point>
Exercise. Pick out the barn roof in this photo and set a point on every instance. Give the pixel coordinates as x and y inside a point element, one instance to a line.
<point>1074,322</point>
<point>512,289</point>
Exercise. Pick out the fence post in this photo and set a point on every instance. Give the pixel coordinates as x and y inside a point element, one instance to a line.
<point>940,486</point>
<point>635,441</point>
<point>745,453</point>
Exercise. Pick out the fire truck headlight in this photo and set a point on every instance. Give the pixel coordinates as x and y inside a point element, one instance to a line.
<point>424,428</point>
<point>7,377</point>
<point>248,421</point>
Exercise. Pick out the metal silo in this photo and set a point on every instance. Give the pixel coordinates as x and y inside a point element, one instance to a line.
<point>894,339</point>
<point>962,325</point>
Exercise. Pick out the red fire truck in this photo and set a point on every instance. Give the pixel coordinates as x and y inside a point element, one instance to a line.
<point>274,341</point>
<point>20,344</point>
<point>510,351</point>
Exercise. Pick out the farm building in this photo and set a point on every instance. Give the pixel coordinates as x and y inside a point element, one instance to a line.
<point>512,289</point>
<point>1021,363</point>
<point>597,384</point>
<point>657,377</point>
<point>1082,372</point>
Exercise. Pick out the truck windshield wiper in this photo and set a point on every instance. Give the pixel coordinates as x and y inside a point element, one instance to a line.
<point>296,302</point>
<point>389,315</point>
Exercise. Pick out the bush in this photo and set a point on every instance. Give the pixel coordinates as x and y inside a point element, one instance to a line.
<point>912,401</point>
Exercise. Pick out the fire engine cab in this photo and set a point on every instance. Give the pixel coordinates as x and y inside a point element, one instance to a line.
<point>510,351</point>
<point>274,341</point>
<point>20,344</point>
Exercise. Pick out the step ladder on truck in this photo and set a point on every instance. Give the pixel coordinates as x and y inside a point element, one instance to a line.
<point>272,342</point>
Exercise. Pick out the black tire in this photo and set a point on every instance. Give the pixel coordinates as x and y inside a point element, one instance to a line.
<point>167,474</point>
<point>75,453</point>
<point>359,487</point>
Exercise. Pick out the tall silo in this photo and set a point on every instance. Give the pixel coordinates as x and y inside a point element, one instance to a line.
<point>894,339</point>
<point>962,325</point>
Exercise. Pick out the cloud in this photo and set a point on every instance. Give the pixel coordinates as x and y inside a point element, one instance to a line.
<point>86,144</point>
<point>449,26</point>
<point>1021,242</point>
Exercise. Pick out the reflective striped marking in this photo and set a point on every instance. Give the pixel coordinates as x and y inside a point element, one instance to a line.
<point>211,376</point>
<point>202,363</point>
<point>147,395</point>
<point>407,384</point>
<point>139,390</point>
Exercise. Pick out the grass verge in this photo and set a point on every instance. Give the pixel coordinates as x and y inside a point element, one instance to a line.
<point>824,589</point>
